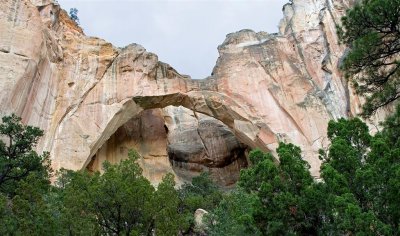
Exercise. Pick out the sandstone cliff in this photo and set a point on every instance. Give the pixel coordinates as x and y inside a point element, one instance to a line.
<point>95,101</point>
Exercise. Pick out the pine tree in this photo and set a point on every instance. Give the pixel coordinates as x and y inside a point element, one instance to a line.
<point>372,32</point>
<point>73,13</point>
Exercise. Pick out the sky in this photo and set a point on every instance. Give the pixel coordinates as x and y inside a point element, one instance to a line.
<point>183,33</point>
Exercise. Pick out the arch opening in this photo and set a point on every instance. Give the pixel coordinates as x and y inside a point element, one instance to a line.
<point>176,140</point>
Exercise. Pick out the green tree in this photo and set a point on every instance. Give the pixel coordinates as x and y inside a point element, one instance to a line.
<point>18,159</point>
<point>372,31</point>
<point>279,188</point>
<point>234,215</point>
<point>362,172</point>
<point>118,202</point>
<point>350,140</point>
<point>202,193</point>
<point>73,13</point>
<point>24,181</point>
<point>357,195</point>
<point>73,204</point>
<point>167,218</point>
<point>31,213</point>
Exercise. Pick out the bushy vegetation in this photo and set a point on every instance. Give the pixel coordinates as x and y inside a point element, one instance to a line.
<point>358,193</point>
<point>120,201</point>
<point>24,180</point>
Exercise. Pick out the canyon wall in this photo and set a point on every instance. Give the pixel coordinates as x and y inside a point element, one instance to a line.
<point>95,101</point>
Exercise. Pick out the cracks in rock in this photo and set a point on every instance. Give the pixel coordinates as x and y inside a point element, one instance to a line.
<point>155,155</point>
<point>207,154</point>
<point>320,94</point>
<point>109,65</point>
<point>3,50</point>
<point>345,82</point>
<point>7,51</point>
<point>21,55</point>
<point>275,80</point>
<point>327,60</point>
<point>329,6</point>
<point>292,119</point>
<point>70,111</point>
<point>347,94</point>
<point>300,52</point>
<point>98,80</point>
<point>202,139</point>
<point>315,140</point>
<point>14,12</point>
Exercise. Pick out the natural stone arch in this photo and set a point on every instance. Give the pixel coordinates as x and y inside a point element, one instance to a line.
<point>210,103</point>
<point>135,81</point>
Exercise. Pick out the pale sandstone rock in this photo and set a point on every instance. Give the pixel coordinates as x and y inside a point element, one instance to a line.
<point>86,94</point>
<point>199,220</point>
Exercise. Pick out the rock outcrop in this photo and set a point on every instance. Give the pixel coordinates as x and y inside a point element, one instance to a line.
<point>200,226</point>
<point>94,100</point>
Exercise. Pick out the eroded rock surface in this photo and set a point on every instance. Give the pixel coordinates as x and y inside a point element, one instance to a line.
<point>198,143</point>
<point>85,93</point>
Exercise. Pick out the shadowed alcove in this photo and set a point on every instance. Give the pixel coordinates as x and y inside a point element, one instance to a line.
<point>177,140</point>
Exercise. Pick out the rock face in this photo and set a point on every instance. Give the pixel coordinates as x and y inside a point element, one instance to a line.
<point>95,101</point>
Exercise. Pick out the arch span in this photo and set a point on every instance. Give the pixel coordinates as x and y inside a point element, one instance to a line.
<point>136,81</point>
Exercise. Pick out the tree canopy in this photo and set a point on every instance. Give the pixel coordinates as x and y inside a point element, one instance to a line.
<point>73,14</point>
<point>24,180</point>
<point>18,160</point>
<point>119,202</point>
<point>357,194</point>
<point>372,31</point>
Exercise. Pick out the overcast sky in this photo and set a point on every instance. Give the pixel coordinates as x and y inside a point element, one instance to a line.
<point>184,34</point>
